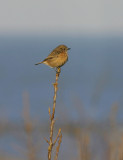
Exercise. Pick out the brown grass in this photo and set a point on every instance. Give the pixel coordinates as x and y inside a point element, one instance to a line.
<point>28,127</point>
<point>83,141</point>
<point>109,133</point>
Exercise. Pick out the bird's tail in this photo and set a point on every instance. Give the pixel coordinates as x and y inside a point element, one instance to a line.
<point>38,63</point>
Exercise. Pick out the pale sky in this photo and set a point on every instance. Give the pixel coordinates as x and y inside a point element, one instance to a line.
<point>45,16</point>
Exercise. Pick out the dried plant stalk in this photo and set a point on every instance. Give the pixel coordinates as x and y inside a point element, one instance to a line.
<point>58,147</point>
<point>28,127</point>
<point>52,122</point>
<point>55,93</point>
<point>83,145</point>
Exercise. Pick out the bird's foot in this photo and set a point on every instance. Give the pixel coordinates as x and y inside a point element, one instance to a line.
<point>58,70</point>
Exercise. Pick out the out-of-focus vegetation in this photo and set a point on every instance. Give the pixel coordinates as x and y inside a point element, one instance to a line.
<point>88,141</point>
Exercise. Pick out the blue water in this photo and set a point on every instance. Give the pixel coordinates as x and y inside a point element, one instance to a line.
<point>89,83</point>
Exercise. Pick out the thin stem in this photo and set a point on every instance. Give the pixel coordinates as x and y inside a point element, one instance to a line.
<point>50,142</point>
<point>58,147</point>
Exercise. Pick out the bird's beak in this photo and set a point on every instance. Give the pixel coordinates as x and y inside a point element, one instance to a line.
<point>68,48</point>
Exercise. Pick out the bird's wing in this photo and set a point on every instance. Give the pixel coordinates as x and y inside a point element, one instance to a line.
<point>53,54</point>
<point>50,56</point>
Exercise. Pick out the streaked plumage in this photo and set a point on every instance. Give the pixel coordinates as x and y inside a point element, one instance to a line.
<point>57,58</point>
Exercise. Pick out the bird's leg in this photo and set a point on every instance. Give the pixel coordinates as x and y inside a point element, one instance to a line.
<point>58,71</point>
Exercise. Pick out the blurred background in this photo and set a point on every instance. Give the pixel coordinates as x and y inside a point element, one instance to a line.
<point>90,96</point>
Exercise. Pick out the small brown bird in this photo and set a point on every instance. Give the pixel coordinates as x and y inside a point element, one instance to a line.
<point>57,58</point>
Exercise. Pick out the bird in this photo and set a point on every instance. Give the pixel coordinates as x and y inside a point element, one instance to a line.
<point>57,58</point>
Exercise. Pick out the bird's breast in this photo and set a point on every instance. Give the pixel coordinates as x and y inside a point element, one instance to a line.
<point>62,58</point>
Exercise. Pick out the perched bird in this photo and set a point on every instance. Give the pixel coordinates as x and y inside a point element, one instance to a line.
<point>57,58</point>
